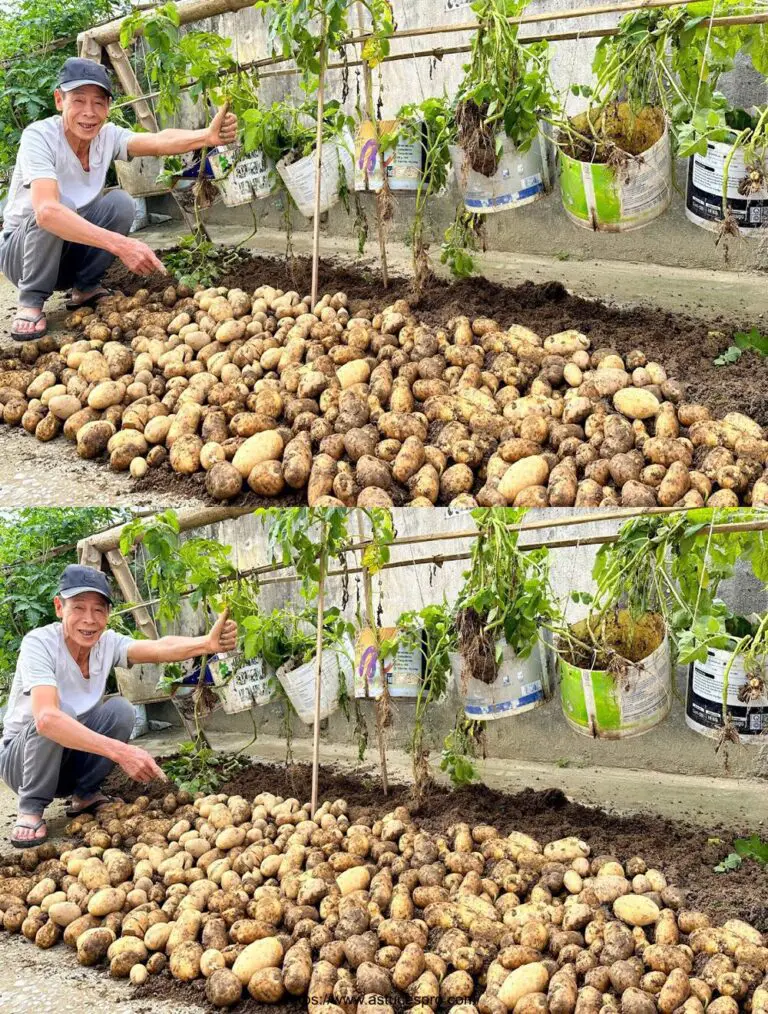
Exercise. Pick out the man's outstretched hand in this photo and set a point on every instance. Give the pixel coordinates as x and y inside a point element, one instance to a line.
<point>139,765</point>
<point>223,128</point>
<point>138,257</point>
<point>223,635</point>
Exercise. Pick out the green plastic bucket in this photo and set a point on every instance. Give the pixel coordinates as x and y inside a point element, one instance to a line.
<point>606,706</point>
<point>604,199</point>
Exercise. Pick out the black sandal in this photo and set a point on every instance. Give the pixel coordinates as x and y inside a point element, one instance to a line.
<point>100,293</point>
<point>29,843</point>
<point>29,336</point>
<point>94,806</point>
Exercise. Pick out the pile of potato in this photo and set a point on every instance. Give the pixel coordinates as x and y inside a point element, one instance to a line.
<point>265,391</point>
<point>267,899</point>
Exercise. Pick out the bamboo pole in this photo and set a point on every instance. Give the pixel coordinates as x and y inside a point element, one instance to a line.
<point>439,52</point>
<point>318,669</point>
<point>383,703</point>
<point>371,113</point>
<point>319,168</point>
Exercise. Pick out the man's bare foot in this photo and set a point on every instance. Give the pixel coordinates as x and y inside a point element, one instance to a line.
<point>29,323</point>
<point>30,829</point>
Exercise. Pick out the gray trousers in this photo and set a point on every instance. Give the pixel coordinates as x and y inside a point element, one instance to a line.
<point>40,770</point>
<point>39,263</point>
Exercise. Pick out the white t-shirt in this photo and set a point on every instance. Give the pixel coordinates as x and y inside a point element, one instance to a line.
<point>45,154</point>
<point>44,661</point>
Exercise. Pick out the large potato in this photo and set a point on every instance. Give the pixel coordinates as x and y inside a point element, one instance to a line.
<point>266,446</point>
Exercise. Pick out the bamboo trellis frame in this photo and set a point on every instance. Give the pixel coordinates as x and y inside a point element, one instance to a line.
<point>441,558</point>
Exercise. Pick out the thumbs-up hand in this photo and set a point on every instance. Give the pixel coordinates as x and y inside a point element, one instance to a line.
<point>223,635</point>
<point>223,128</point>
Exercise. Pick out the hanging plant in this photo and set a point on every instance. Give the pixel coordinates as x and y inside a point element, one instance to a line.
<point>505,596</point>
<point>505,90</point>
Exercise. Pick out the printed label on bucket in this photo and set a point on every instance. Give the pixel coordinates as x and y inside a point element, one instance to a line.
<point>519,687</point>
<point>606,706</point>
<point>704,703</point>
<point>518,180</point>
<point>244,685</point>
<point>403,672</point>
<point>602,198</point>
<point>704,199</point>
<point>403,166</point>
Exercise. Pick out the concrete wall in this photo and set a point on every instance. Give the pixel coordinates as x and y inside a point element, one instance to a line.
<point>541,735</point>
<point>539,229</point>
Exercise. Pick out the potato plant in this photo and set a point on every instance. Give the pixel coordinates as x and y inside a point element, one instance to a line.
<point>264,392</point>
<point>265,899</point>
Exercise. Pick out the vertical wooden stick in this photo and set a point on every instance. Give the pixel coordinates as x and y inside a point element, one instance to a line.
<point>318,669</point>
<point>319,166</point>
<point>371,618</point>
<point>371,113</point>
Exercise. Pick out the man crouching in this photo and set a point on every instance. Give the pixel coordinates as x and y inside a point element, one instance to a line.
<point>60,738</point>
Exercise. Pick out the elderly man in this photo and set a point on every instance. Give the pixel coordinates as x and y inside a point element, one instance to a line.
<point>60,738</point>
<point>59,228</point>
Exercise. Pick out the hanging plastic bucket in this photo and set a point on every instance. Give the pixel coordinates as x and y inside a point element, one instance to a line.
<point>403,672</point>
<point>403,166</point>
<point>245,684</point>
<point>336,674</point>
<point>300,177</point>
<point>704,196</point>
<point>607,705</point>
<point>704,700</point>
<point>519,687</point>
<point>519,180</point>
<point>608,199</point>
<point>139,176</point>
<point>242,177</point>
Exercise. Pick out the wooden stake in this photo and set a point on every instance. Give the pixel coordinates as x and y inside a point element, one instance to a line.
<point>318,668</point>
<point>318,171</point>
<point>382,703</point>
<point>371,113</point>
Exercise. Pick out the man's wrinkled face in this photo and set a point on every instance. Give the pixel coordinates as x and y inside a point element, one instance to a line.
<point>84,110</point>
<point>84,617</point>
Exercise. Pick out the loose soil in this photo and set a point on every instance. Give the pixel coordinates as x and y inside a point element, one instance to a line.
<point>609,135</point>
<point>684,346</point>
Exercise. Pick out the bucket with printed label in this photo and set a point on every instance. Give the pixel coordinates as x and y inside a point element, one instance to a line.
<point>241,176</point>
<point>402,671</point>
<point>403,166</point>
<point>519,686</point>
<point>520,179</point>
<point>336,680</point>
<point>630,698</point>
<point>241,683</point>
<point>336,167</point>
<point>704,195</point>
<point>746,708</point>
<point>627,193</point>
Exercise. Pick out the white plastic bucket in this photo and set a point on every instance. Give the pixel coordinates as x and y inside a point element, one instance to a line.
<point>704,700</point>
<point>518,688</point>
<point>403,672</point>
<point>336,671</point>
<point>139,176</point>
<point>604,199</point>
<point>704,195</point>
<point>246,685</point>
<point>242,177</point>
<point>403,166</point>
<point>519,180</point>
<point>603,705</point>
<point>299,177</point>
<point>141,218</point>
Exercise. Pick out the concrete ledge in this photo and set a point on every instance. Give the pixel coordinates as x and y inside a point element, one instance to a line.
<point>704,801</point>
<point>707,294</point>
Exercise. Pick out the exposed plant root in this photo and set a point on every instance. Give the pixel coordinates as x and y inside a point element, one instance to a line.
<point>478,652</point>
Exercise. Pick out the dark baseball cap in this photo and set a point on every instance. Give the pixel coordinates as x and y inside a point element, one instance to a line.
<point>77,579</point>
<point>77,72</point>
